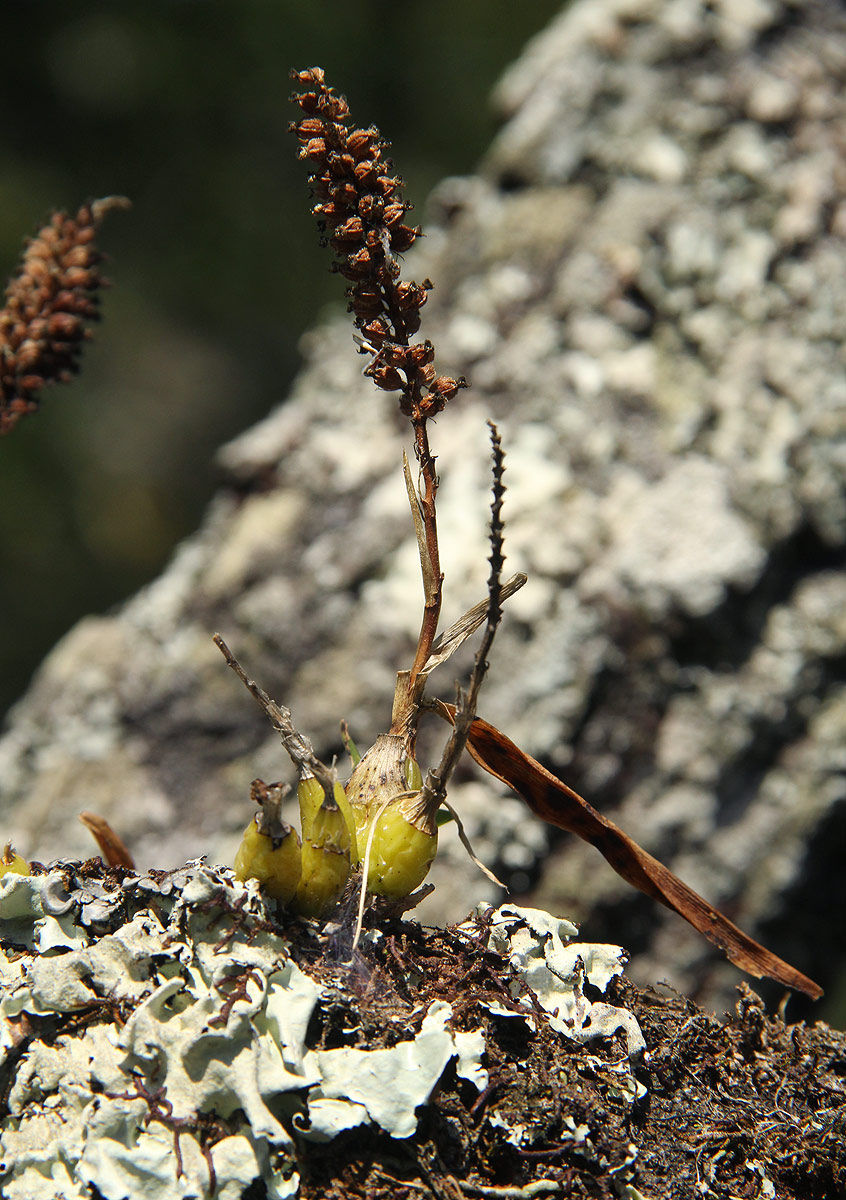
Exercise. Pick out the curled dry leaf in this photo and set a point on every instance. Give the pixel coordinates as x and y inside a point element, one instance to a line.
<point>554,802</point>
<point>111,846</point>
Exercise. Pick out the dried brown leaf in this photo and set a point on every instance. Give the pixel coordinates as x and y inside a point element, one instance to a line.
<point>111,846</point>
<point>554,802</point>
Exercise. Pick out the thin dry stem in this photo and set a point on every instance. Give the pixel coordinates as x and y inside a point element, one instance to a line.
<point>298,747</point>
<point>432,607</point>
<point>466,843</point>
<point>437,778</point>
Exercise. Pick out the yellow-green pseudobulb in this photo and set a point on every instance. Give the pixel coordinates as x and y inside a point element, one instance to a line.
<point>12,863</point>
<point>310,795</point>
<point>404,845</point>
<point>270,848</point>
<point>329,847</point>
<point>276,864</point>
<point>405,838</point>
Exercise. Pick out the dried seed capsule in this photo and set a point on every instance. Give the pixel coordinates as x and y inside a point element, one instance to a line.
<point>421,353</point>
<point>315,149</point>
<point>403,237</point>
<point>309,128</point>
<point>386,378</point>
<point>352,230</point>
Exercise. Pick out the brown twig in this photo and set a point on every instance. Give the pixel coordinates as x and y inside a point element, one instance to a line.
<point>298,747</point>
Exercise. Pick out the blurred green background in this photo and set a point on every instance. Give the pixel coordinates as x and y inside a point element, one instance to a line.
<point>182,106</point>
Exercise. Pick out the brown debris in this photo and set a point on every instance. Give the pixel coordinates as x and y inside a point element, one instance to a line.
<point>729,1102</point>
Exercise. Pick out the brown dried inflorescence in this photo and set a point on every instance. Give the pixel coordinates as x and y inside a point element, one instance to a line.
<point>49,301</point>
<point>361,212</point>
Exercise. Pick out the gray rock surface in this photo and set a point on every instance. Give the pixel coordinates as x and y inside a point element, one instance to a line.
<point>646,286</point>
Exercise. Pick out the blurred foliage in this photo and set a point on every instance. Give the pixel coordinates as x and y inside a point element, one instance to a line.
<point>182,106</point>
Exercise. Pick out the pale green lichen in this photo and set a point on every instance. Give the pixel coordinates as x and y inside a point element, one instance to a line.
<point>184,1060</point>
<point>543,955</point>
<point>388,1085</point>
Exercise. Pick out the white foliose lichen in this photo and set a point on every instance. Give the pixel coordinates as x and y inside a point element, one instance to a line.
<point>153,1037</point>
<point>542,954</point>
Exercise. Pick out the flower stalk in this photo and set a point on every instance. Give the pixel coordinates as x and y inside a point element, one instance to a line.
<point>361,214</point>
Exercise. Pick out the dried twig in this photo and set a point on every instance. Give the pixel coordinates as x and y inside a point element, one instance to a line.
<point>298,747</point>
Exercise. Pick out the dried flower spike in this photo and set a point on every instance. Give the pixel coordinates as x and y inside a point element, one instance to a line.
<point>49,301</point>
<point>361,212</point>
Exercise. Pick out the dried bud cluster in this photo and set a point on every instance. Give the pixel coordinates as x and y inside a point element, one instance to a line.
<point>42,325</point>
<point>361,210</point>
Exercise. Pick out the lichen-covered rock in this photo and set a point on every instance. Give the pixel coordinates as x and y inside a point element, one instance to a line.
<point>645,285</point>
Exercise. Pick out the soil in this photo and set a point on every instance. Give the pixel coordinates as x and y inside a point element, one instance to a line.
<point>743,1106</point>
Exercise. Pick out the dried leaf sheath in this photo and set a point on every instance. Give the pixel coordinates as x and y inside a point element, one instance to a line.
<point>554,802</point>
